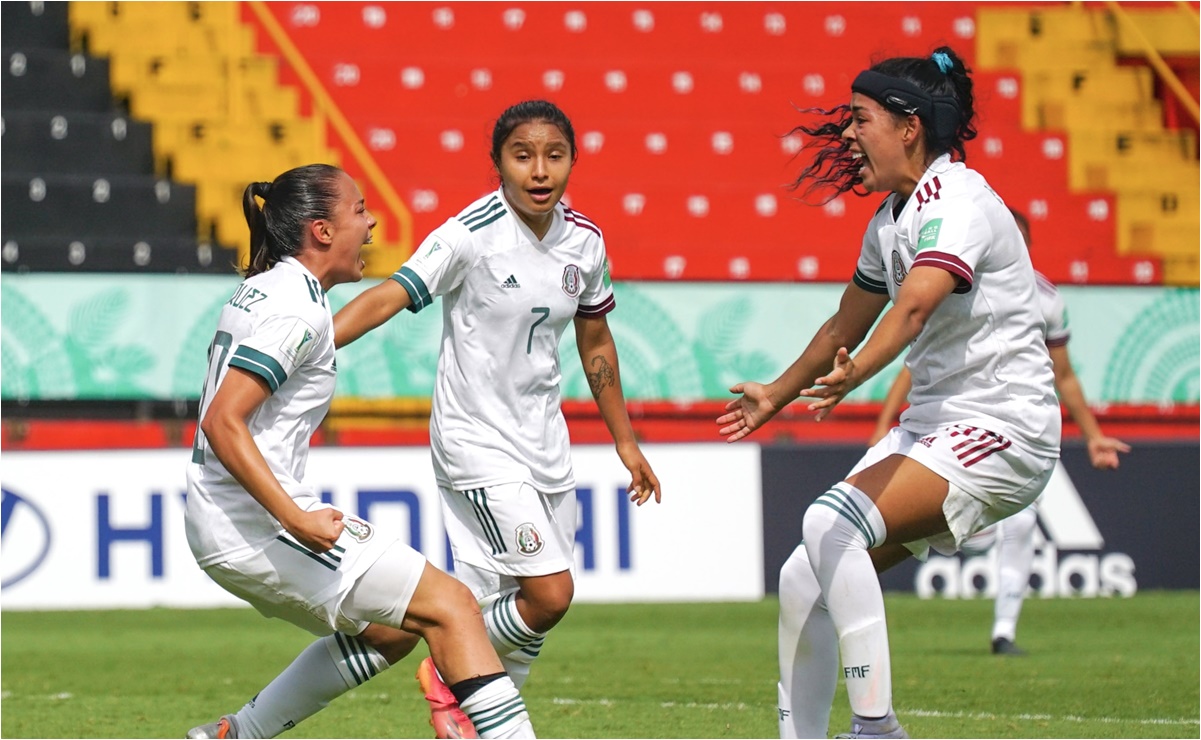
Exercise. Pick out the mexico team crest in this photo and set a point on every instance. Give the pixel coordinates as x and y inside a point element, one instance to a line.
<point>571,280</point>
<point>898,269</point>
<point>360,530</point>
<point>529,540</point>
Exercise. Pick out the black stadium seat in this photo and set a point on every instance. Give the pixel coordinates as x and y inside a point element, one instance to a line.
<point>75,142</point>
<point>34,25</point>
<point>78,183</point>
<point>112,254</point>
<point>54,80</point>
<point>136,206</point>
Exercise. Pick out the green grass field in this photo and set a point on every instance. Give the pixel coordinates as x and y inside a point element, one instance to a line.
<point>1097,668</point>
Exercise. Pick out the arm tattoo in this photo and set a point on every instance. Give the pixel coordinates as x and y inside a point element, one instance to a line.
<point>602,378</point>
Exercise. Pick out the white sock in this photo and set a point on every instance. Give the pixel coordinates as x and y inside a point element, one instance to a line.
<point>497,710</point>
<point>518,663</point>
<point>839,527</point>
<point>321,673</point>
<point>1015,557</point>
<point>515,643</point>
<point>808,651</point>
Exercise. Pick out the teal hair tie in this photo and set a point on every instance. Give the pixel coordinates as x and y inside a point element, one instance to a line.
<point>943,60</point>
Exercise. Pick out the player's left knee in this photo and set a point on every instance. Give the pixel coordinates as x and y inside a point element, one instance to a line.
<point>843,516</point>
<point>549,599</point>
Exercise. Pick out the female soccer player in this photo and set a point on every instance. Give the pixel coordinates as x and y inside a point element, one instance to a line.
<point>982,434</point>
<point>262,534</point>
<point>1014,537</point>
<point>513,268</point>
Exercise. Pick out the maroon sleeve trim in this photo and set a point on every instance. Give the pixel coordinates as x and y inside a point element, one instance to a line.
<point>950,263</point>
<point>593,312</point>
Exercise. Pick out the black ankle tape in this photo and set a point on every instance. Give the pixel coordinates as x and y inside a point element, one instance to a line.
<point>465,688</point>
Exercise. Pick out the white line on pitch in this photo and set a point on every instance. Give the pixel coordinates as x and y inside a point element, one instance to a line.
<point>740,706</point>
<point>1045,717</point>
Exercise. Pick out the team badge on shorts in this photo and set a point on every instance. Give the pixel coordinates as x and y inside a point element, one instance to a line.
<point>360,530</point>
<point>571,280</point>
<point>529,540</point>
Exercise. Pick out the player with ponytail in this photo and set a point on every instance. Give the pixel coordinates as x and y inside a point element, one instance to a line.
<point>259,530</point>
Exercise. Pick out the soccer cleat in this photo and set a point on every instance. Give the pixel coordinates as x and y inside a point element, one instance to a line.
<point>447,719</point>
<point>887,727</point>
<point>222,728</point>
<point>1005,646</point>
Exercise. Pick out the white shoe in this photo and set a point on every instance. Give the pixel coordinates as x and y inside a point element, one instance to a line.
<point>888,727</point>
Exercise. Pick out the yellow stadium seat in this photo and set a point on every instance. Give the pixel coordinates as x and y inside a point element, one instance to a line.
<point>1067,57</point>
<point>1182,270</point>
<point>1048,91</point>
<point>1171,30</point>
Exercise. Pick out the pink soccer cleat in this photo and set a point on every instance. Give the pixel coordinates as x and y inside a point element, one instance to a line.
<point>447,719</point>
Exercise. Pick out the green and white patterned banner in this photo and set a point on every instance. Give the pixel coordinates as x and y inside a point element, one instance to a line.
<point>145,337</point>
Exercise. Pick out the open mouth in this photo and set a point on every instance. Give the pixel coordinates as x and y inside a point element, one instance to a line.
<point>859,163</point>
<point>539,195</point>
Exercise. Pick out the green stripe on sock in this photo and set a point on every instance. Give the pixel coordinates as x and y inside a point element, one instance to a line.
<point>852,512</point>
<point>347,657</point>
<point>493,717</point>
<point>505,623</point>
<point>836,505</point>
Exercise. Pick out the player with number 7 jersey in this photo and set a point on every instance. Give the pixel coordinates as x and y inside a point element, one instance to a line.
<point>507,298</point>
<point>512,270</point>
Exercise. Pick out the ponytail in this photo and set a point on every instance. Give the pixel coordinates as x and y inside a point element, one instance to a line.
<point>259,258</point>
<point>290,202</point>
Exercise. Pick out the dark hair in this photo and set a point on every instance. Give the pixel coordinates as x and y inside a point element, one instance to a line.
<point>942,77</point>
<point>529,111</point>
<point>290,202</point>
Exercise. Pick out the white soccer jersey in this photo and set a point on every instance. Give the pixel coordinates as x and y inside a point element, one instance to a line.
<point>506,299</point>
<point>278,326</point>
<point>981,359</point>
<point>1055,313</point>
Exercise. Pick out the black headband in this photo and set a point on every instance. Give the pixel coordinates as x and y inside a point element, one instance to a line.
<point>941,112</point>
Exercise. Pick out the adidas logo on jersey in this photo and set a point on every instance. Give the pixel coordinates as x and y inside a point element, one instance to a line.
<point>511,283</point>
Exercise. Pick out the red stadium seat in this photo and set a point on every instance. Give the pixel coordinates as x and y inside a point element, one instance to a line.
<point>681,113</point>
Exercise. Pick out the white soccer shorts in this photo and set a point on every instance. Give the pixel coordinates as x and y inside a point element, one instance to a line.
<point>286,580</point>
<point>990,477</point>
<point>510,529</point>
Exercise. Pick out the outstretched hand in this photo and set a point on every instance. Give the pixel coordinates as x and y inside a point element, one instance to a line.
<point>830,389</point>
<point>643,483</point>
<point>747,413</point>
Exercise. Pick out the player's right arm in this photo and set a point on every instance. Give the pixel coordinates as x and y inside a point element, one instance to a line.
<point>437,266</point>
<point>368,310</point>
<point>856,313</point>
<point>229,438</point>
